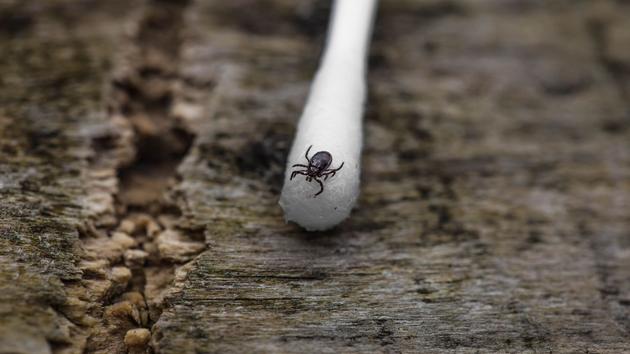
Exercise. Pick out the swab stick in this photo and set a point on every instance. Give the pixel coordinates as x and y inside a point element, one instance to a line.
<point>321,182</point>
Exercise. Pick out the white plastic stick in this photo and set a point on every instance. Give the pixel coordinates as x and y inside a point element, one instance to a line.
<point>332,121</point>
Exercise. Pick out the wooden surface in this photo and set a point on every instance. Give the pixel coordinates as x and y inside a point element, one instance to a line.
<point>142,149</point>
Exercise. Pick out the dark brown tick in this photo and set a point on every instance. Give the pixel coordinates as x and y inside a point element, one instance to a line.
<point>318,166</point>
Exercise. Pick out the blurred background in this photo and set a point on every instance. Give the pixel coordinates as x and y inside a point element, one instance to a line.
<point>142,151</point>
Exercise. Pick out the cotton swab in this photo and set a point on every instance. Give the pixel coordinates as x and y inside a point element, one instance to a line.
<point>331,123</point>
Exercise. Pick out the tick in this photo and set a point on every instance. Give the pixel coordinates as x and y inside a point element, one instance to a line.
<point>318,166</point>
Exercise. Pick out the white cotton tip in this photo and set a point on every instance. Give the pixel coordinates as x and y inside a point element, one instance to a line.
<point>340,191</point>
<point>332,123</point>
<point>329,208</point>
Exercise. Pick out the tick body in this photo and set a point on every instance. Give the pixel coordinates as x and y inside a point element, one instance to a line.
<point>318,166</point>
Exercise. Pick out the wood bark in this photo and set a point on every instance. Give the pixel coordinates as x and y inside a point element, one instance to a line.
<point>142,148</point>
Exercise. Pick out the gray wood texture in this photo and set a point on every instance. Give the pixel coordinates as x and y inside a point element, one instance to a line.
<point>142,147</point>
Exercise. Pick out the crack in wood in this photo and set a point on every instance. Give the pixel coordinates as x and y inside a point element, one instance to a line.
<point>131,261</point>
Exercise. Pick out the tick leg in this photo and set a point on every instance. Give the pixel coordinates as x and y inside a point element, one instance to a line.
<point>321,187</point>
<point>331,173</point>
<point>336,169</point>
<point>299,165</point>
<point>306,155</point>
<point>294,173</point>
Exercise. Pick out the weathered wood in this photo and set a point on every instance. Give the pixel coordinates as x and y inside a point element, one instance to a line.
<point>494,207</point>
<point>55,62</point>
